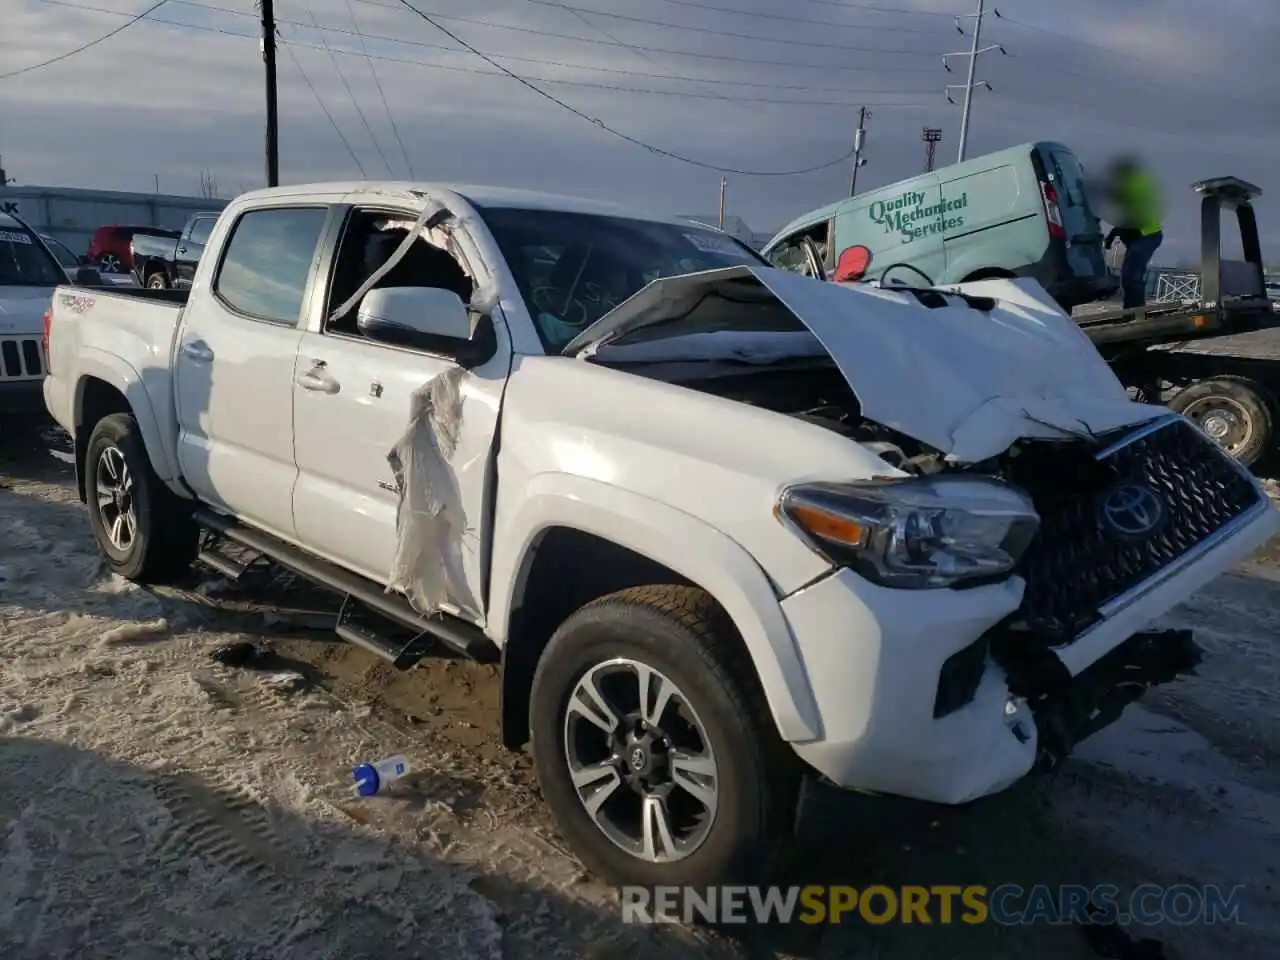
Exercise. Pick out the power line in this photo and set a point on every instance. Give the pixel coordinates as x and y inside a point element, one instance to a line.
<point>785,17</point>
<point>145,14</point>
<point>685,94</point>
<point>853,5</point>
<point>1111,52</point>
<point>373,69</point>
<point>617,133</point>
<point>684,28</point>
<point>630,49</point>
<point>350,93</point>
<point>384,58</point>
<point>320,100</point>
<point>697,54</point>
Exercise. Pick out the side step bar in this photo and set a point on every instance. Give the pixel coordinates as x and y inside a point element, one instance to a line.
<point>364,602</point>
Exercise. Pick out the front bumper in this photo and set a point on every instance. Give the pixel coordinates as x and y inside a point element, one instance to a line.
<point>874,656</point>
<point>21,396</point>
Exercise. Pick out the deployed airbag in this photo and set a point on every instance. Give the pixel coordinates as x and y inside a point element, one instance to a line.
<point>430,519</point>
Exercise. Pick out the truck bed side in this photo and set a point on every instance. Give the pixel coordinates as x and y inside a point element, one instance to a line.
<point>111,348</point>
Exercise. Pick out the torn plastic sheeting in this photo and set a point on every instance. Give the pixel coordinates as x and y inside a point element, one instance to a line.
<point>430,519</point>
<point>485,297</point>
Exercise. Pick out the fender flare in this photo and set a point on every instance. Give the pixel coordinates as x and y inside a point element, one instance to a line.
<point>118,373</point>
<point>680,542</point>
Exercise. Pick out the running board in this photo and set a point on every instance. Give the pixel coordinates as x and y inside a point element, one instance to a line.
<point>229,567</point>
<point>364,602</point>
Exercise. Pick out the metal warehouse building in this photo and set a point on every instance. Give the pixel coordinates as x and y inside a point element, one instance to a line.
<point>71,214</point>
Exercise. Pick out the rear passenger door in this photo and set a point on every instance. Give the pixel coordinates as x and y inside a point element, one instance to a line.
<point>234,365</point>
<point>189,250</point>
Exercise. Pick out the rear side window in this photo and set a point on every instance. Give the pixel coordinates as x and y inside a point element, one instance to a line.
<point>201,229</point>
<point>264,270</point>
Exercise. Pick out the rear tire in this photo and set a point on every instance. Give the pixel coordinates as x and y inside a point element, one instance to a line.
<point>715,740</point>
<point>1234,412</point>
<point>145,531</point>
<point>157,281</point>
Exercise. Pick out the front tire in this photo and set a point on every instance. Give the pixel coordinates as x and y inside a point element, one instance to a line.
<point>157,281</point>
<point>143,529</point>
<point>654,747</point>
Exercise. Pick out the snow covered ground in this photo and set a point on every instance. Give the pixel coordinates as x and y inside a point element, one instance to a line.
<point>155,803</point>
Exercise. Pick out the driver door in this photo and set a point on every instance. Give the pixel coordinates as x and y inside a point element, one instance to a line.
<point>351,405</point>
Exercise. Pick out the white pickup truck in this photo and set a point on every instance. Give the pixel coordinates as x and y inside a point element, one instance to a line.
<point>722,525</point>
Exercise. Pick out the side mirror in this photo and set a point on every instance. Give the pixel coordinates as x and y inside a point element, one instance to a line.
<point>87,276</point>
<point>426,318</point>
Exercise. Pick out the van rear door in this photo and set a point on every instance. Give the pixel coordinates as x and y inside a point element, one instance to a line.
<point>1079,224</point>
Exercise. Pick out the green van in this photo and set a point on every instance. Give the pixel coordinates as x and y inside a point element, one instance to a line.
<point>1021,212</point>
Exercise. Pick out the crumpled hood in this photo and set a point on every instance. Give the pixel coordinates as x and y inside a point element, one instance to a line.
<point>967,382</point>
<point>22,308</point>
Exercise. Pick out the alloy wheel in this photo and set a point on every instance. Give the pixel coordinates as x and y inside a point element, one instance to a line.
<point>640,760</point>
<point>115,499</point>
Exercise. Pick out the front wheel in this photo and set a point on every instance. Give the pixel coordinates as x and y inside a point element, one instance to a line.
<point>145,531</point>
<point>654,747</point>
<point>1233,413</point>
<point>157,281</point>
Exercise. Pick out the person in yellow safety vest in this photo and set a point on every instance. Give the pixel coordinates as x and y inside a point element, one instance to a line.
<point>1139,225</point>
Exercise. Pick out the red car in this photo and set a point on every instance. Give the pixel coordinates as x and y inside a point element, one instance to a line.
<point>109,248</point>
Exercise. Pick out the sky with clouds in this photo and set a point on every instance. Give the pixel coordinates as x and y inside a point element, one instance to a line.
<point>1193,92</point>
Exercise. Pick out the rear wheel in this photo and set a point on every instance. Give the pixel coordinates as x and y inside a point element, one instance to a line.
<point>1234,413</point>
<point>157,281</point>
<point>145,530</point>
<point>654,749</point>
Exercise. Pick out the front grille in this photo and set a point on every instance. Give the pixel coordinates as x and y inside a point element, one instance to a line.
<point>21,358</point>
<point>1081,559</point>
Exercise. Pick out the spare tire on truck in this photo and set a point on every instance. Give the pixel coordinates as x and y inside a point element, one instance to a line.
<point>1235,413</point>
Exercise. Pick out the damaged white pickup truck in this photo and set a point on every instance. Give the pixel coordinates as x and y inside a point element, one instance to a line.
<point>722,525</point>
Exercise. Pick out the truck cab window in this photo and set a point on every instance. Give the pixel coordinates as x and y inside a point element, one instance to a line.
<point>201,229</point>
<point>367,243</point>
<point>264,270</point>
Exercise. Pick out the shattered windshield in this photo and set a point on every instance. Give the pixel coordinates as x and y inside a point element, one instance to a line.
<point>573,268</point>
<point>24,262</point>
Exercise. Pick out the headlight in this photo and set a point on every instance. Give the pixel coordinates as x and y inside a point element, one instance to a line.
<point>917,533</point>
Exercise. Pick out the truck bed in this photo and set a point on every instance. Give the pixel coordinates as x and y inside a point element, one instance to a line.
<point>1108,323</point>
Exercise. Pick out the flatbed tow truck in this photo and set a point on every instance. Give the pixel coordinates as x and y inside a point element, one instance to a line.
<point>1214,358</point>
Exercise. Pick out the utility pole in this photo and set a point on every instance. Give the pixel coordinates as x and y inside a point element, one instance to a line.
<point>724,183</point>
<point>970,83</point>
<point>859,138</point>
<point>273,117</point>
<point>931,136</point>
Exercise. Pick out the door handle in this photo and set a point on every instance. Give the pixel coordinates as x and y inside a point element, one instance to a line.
<point>198,351</point>
<point>182,249</point>
<point>319,381</point>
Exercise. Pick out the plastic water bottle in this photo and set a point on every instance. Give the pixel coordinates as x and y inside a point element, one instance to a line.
<point>374,778</point>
